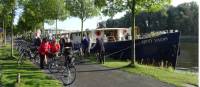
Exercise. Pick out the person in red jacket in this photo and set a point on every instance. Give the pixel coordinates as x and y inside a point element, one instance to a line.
<point>43,51</point>
<point>54,48</point>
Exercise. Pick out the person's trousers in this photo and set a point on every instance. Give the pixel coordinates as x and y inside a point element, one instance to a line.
<point>86,52</point>
<point>42,61</point>
<point>101,57</point>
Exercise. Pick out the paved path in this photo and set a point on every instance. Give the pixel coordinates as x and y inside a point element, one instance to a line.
<point>94,75</point>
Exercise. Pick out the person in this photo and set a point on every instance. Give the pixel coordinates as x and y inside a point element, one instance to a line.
<point>112,37</point>
<point>127,36</point>
<point>99,47</point>
<point>37,41</point>
<point>43,52</point>
<point>54,48</point>
<point>85,44</point>
<point>62,43</point>
<point>67,49</point>
<point>105,38</point>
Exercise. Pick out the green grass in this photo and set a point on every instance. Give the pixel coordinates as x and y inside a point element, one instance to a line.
<point>167,75</point>
<point>31,76</point>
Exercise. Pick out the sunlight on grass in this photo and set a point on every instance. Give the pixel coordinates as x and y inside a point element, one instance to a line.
<point>31,76</point>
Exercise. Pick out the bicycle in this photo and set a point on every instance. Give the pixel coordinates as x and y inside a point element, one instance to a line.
<point>24,53</point>
<point>69,73</point>
<point>55,65</point>
<point>35,55</point>
<point>66,67</point>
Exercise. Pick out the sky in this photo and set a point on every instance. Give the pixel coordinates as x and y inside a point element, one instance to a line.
<point>73,23</point>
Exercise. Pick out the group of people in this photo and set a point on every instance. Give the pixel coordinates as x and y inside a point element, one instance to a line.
<point>50,48</point>
<point>46,49</point>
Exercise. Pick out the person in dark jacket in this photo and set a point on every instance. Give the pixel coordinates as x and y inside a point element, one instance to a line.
<point>68,50</point>
<point>85,45</point>
<point>62,44</point>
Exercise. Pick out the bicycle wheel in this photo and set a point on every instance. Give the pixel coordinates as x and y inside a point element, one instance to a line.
<point>69,75</point>
<point>36,59</point>
<point>53,66</point>
<point>21,59</point>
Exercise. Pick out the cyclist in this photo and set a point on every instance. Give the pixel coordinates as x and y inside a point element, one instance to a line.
<point>67,50</point>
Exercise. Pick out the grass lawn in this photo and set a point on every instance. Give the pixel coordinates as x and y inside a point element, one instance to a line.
<point>167,75</point>
<point>31,76</point>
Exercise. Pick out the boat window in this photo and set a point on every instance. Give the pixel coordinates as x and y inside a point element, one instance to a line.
<point>111,35</point>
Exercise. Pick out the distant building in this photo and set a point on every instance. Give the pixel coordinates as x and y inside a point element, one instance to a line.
<point>53,31</point>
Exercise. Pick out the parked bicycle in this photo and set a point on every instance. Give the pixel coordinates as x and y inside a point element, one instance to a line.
<point>26,52</point>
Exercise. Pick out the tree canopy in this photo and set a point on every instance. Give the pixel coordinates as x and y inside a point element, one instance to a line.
<point>184,17</point>
<point>82,9</point>
<point>111,7</point>
<point>36,12</point>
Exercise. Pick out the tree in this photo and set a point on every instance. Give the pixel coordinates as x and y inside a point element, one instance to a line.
<point>82,9</point>
<point>6,15</point>
<point>135,7</point>
<point>184,17</point>
<point>36,12</point>
<point>7,18</point>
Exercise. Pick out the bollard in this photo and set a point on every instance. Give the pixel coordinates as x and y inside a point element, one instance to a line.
<point>18,78</point>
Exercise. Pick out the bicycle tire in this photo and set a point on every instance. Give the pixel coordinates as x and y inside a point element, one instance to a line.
<point>66,75</point>
<point>36,59</point>
<point>21,59</point>
<point>53,66</point>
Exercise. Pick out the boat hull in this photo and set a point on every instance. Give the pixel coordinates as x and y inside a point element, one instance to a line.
<point>159,50</point>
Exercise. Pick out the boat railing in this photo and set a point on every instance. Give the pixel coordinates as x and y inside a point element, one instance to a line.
<point>154,34</point>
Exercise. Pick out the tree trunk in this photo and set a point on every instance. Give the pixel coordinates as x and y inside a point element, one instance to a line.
<point>12,26</point>
<point>56,29</point>
<point>4,33</point>
<point>43,29</point>
<point>133,34</point>
<point>11,40</point>
<point>149,21</point>
<point>82,28</point>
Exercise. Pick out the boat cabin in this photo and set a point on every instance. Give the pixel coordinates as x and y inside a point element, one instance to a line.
<point>112,34</point>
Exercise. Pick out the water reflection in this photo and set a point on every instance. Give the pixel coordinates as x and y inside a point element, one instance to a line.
<point>188,59</point>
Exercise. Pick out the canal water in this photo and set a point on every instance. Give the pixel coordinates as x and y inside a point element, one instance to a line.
<point>188,58</point>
